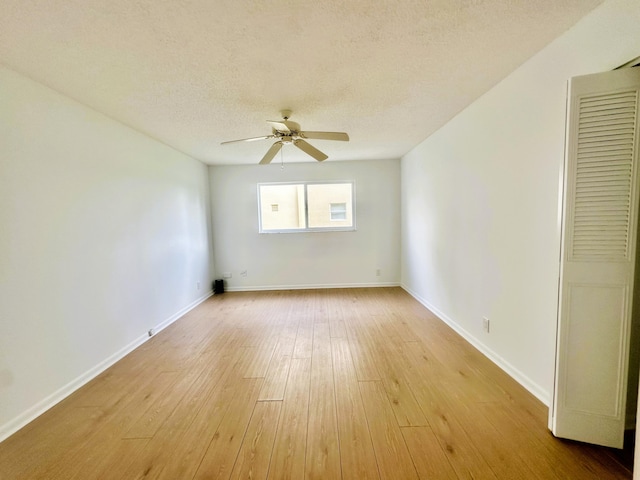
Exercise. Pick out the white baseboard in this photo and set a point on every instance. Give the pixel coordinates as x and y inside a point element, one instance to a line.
<point>535,389</point>
<point>183,311</point>
<point>45,404</point>
<point>255,288</point>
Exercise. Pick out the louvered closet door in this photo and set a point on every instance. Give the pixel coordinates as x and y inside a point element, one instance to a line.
<point>598,258</point>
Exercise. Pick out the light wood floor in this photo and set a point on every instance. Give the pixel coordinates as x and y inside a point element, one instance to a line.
<point>323,384</point>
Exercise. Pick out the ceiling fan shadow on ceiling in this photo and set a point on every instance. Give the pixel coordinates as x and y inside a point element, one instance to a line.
<point>287,132</point>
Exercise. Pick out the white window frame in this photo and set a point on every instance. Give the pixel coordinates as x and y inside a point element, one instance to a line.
<point>350,228</point>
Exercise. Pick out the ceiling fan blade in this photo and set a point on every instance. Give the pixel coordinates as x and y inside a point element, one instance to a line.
<point>310,150</point>
<point>249,139</point>
<point>343,137</point>
<point>275,148</point>
<point>280,126</point>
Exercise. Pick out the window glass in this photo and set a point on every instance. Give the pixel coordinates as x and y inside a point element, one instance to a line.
<point>338,211</point>
<point>306,206</point>
<point>289,212</point>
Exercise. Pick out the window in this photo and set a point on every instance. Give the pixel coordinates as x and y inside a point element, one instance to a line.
<point>306,207</point>
<point>338,211</point>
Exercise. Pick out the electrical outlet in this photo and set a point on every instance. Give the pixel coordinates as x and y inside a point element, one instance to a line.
<point>226,275</point>
<point>377,272</point>
<point>243,273</point>
<point>198,285</point>
<point>485,324</point>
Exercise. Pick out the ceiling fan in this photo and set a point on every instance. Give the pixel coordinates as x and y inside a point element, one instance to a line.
<point>287,132</point>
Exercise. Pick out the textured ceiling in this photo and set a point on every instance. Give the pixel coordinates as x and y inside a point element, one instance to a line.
<point>195,73</point>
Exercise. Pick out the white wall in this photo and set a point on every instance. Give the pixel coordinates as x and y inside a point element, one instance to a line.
<point>104,234</point>
<point>297,260</point>
<point>480,230</point>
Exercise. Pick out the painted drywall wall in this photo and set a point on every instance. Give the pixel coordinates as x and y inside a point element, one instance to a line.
<point>305,260</point>
<point>480,200</point>
<point>104,234</point>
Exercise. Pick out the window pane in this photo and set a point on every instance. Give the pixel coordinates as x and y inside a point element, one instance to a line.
<point>338,211</point>
<point>282,207</point>
<point>320,197</point>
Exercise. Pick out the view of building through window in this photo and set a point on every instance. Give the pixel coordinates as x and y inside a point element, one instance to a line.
<point>306,206</point>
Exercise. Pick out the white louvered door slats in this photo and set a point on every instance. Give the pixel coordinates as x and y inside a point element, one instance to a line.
<point>605,149</point>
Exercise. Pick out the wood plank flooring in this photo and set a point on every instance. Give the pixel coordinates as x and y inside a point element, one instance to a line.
<point>317,384</point>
